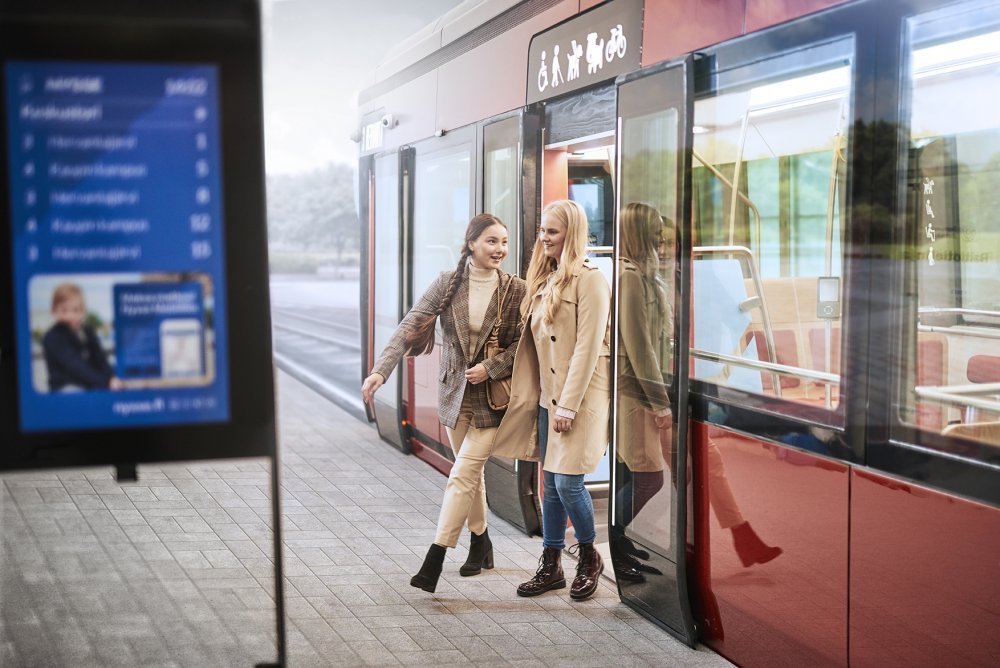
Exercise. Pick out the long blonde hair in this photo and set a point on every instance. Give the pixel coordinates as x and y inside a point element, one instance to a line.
<point>641,231</point>
<point>641,227</point>
<point>574,218</point>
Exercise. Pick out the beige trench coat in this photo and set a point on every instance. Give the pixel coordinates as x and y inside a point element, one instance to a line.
<point>577,358</point>
<point>643,316</point>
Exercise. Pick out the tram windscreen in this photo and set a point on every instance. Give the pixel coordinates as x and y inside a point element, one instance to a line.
<point>118,271</point>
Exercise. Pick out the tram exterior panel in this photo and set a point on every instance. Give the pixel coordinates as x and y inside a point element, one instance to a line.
<point>490,79</point>
<point>829,169</point>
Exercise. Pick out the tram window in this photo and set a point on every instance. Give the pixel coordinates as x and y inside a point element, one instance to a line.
<point>649,177</point>
<point>768,187</point>
<point>501,179</point>
<point>591,186</point>
<point>951,361</point>
<point>442,208</point>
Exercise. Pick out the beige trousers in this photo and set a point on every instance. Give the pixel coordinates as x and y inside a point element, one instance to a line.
<point>465,493</point>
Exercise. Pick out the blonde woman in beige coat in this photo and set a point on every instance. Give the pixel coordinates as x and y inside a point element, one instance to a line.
<point>468,303</point>
<point>561,389</point>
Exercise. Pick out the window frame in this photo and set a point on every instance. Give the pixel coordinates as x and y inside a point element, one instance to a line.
<point>740,64</point>
<point>898,447</point>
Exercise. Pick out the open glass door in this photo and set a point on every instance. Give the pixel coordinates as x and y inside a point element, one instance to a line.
<point>507,144</point>
<point>442,200</point>
<point>648,516</point>
<point>384,298</point>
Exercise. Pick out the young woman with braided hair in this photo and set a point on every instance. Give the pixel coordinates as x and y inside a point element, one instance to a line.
<point>467,301</point>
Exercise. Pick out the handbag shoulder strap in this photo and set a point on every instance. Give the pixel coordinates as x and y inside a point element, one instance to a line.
<point>496,326</point>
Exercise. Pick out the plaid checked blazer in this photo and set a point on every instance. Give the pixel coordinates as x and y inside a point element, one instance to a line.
<point>454,326</point>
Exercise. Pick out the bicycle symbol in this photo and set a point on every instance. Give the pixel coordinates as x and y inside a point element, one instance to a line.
<point>616,44</point>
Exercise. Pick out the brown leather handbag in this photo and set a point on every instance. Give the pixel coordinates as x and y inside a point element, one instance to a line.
<point>497,391</point>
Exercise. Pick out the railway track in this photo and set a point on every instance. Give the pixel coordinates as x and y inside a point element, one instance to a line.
<point>321,347</point>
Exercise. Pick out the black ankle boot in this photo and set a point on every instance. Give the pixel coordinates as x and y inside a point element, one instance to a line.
<point>750,548</point>
<point>627,560</point>
<point>588,573</point>
<point>548,576</point>
<point>480,555</point>
<point>427,577</point>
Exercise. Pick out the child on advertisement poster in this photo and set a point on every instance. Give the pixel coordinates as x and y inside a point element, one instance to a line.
<point>74,357</point>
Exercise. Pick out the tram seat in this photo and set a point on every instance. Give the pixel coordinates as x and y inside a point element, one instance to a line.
<point>805,288</point>
<point>932,370</point>
<point>785,348</point>
<point>791,317</point>
<point>983,369</point>
<point>817,348</point>
<point>988,432</point>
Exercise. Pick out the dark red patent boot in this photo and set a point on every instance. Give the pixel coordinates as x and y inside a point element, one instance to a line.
<point>548,576</point>
<point>750,548</point>
<point>588,573</point>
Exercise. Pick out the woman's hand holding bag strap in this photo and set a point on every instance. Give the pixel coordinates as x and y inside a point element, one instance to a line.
<point>497,390</point>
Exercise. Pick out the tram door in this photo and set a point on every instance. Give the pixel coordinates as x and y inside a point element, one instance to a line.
<point>439,195</point>
<point>648,519</point>
<point>509,159</point>
<point>380,176</point>
<point>578,163</point>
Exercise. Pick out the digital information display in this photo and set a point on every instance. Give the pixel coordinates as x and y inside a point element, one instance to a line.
<point>118,267</point>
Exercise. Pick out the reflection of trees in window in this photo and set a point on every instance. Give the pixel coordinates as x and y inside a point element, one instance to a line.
<point>979,201</point>
<point>791,194</point>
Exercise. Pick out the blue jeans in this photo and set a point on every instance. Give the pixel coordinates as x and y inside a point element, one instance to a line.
<point>563,496</point>
<point>636,491</point>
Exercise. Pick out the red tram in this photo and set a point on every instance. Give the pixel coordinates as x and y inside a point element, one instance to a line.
<point>832,347</point>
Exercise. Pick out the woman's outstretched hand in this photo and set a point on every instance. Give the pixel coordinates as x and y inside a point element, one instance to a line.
<point>372,383</point>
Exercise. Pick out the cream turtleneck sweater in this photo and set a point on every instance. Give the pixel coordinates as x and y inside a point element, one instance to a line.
<point>482,284</point>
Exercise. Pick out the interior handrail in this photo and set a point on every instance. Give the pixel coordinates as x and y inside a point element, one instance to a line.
<point>758,365</point>
<point>960,330</point>
<point>759,287</point>
<point>746,200</point>
<point>957,395</point>
<point>831,206</point>
<point>969,388</point>
<point>957,310</point>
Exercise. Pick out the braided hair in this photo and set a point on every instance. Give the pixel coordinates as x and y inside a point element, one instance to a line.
<point>420,339</point>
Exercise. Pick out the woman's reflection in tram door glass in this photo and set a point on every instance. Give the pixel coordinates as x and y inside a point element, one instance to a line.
<point>645,438</point>
<point>473,301</point>
<point>646,321</point>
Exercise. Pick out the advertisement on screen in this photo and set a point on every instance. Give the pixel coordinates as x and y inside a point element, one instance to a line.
<point>117,241</point>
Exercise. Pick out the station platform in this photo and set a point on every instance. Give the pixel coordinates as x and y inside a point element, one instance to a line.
<point>175,569</point>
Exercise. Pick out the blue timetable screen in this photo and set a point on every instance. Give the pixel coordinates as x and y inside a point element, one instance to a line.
<point>118,257</point>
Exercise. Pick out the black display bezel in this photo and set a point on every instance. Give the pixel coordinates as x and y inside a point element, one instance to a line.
<point>225,35</point>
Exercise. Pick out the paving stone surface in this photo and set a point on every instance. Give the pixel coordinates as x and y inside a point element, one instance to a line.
<point>176,569</point>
